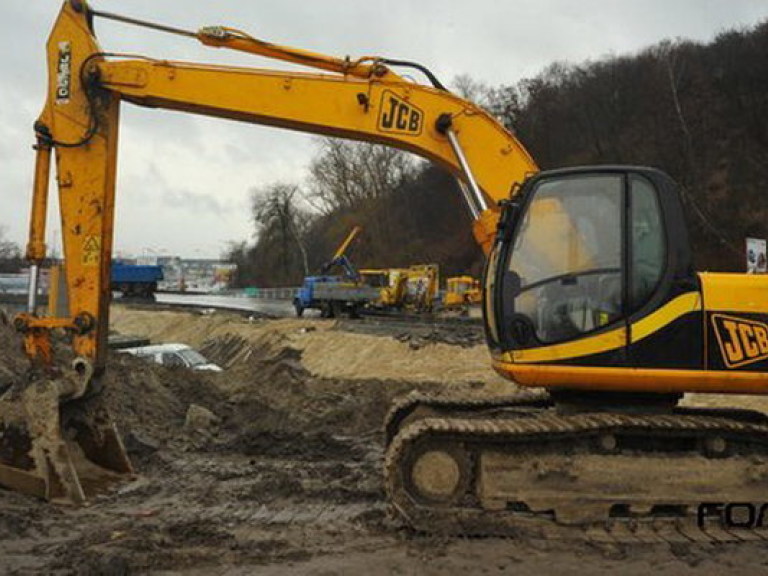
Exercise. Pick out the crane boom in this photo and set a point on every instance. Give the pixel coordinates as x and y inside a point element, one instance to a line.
<point>344,246</point>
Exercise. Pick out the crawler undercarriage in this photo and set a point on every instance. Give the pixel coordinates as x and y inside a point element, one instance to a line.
<point>519,464</point>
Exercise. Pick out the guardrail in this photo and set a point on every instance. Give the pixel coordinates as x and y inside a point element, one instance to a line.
<point>12,304</point>
<point>285,293</point>
<point>14,283</point>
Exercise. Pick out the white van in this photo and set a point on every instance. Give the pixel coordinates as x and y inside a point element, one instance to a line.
<point>173,355</point>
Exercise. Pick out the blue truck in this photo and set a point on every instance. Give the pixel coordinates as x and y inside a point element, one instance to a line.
<point>333,296</point>
<point>136,280</point>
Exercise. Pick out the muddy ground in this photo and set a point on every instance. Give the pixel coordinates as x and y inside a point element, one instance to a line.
<point>276,468</point>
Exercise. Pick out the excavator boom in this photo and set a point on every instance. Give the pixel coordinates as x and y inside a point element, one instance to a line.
<point>81,116</point>
<point>340,258</point>
<point>361,99</point>
<point>344,246</point>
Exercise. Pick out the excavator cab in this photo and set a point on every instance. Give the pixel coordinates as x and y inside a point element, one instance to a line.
<point>585,266</point>
<point>590,293</point>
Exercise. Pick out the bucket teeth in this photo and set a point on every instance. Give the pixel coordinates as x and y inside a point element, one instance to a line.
<point>58,451</point>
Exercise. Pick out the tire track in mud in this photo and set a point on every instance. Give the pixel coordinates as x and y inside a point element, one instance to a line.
<point>288,480</point>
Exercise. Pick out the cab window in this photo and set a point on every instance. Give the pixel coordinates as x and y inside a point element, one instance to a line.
<point>566,262</point>
<point>648,242</point>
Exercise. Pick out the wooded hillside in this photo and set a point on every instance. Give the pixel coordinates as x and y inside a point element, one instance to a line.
<point>698,112</point>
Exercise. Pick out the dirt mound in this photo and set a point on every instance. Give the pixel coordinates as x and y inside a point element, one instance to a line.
<point>280,472</point>
<point>149,403</point>
<point>273,390</point>
<point>265,398</point>
<point>329,349</point>
<point>13,361</point>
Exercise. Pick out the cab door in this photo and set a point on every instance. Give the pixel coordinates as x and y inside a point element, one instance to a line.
<point>564,281</point>
<point>586,262</point>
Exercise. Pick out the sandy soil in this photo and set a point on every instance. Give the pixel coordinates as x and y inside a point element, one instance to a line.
<point>326,350</point>
<point>282,474</point>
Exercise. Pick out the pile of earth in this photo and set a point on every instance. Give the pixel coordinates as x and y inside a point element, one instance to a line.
<point>266,433</point>
<point>273,467</point>
<point>266,396</point>
<point>330,349</point>
<point>13,361</point>
<point>347,354</point>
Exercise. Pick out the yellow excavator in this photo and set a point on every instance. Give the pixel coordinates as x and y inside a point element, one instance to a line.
<point>461,292</point>
<point>590,299</point>
<point>421,283</point>
<point>412,289</point>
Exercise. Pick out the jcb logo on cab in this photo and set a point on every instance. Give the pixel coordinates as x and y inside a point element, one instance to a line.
<point>741,341</point>
<point>397,115</point>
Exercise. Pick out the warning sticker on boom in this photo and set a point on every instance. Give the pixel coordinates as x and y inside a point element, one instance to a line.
<point>91,250</point>
<point>64,73</point>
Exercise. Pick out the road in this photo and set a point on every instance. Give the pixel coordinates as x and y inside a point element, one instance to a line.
<point>261,305</point>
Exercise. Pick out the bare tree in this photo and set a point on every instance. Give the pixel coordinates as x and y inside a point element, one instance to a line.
<point>470,89</point>
<point>280,221</point>
<point>8,249</point>
<point>10,253</point>
<point>345,173</point>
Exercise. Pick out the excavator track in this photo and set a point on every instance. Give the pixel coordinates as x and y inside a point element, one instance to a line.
<point>515,466</point>
<point>418,405</point>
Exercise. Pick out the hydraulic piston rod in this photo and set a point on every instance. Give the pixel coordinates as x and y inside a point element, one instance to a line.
<point>36,245</point>
<point>477,194</point>
<point>469,199</point>
<point>471,190</point>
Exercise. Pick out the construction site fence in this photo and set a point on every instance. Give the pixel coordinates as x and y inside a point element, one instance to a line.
<point>285,293</point>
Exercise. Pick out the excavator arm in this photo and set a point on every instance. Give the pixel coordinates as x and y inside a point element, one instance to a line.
<point>344,246</point>
<point>359,99</point>
<point>362,101</point>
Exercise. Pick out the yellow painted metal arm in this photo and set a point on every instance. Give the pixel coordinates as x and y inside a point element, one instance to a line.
<point>362,100</point>
<point>341,250</point>
<point>81,125</point>
<point>396,113</point>
<point>224,37</point>
<point>36,244</point>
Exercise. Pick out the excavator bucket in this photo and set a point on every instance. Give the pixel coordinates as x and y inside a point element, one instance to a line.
<point>64,451</point>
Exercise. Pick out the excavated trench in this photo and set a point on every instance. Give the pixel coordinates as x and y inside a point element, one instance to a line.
<point>275,464</point>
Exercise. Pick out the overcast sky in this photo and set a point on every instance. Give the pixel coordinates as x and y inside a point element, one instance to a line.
<point>183,181</point>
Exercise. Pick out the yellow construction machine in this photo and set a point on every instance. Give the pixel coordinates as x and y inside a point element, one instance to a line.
<point>421,287</point>
<point>390,283</point>
<point>340,259</point>
<point>589,293</point>
<point>412,289</point>
<point>461,292</point>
